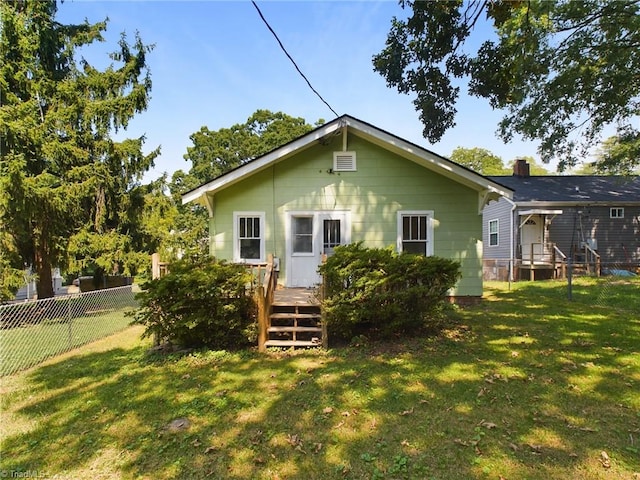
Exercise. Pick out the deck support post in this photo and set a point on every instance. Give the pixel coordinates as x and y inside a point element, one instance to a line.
<point>262,318</point>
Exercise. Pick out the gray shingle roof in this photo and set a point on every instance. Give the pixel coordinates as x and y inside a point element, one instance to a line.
<point>573,188</point>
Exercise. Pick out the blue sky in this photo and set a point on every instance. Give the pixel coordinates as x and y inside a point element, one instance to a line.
<point>215,63</point>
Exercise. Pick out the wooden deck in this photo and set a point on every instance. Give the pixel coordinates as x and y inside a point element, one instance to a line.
<point>295,296</point>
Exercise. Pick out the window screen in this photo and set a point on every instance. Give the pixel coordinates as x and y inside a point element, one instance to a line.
<point>331,235</point>
<point>414,234</point>
<point>493,233</point>
<point>249,237</point>
<point>303,235</point>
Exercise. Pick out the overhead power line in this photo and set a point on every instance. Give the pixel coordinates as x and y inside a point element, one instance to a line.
<point>292,60</point>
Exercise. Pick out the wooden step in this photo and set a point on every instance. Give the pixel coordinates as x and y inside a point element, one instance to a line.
<point>292,343</point>
<point>296,304</point>
<point>295,315</point>
<point>285,329</point>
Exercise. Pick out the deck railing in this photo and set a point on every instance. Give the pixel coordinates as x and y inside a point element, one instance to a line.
<point>588,258</point>
<point>266,282</point>
<point>549,256</point>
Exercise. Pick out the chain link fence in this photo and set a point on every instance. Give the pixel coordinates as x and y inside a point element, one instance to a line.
<point>33,331</point>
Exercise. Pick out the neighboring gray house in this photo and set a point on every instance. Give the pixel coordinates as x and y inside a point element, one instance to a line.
<point>592,220</point>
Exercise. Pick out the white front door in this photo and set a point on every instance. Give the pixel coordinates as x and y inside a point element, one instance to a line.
<point>310,235</point>
<point>531,238</point>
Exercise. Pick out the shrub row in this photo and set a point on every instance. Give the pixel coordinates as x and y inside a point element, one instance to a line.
<point>373,292</point>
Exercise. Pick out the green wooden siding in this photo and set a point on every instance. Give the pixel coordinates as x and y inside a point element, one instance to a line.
<point>383,184</point>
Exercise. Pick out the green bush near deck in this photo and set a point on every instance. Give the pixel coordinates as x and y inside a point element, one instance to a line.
<point>200,303</point>
<point>377,292</point>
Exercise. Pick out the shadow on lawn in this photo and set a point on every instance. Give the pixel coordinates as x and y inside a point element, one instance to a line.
<point>531,389</point>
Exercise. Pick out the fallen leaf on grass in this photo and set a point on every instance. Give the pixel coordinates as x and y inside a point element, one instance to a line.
<point>317,447</point>
<point>327,410</point>
<point>210,449</point>
<point>605,460</point>
<point>196,443</point>
<point>488,425</point>
<point>535,449</point>
<point>461,442</point>
<point>256,437</point>
<point>407,412</point>
<point>296,442</point>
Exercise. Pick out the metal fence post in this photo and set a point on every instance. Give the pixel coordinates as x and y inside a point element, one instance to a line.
<point>69,320</point>
<point>569,278</point>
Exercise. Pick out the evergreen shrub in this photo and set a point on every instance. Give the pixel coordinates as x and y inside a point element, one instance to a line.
<point>200,303</point>
<point>380,293</point>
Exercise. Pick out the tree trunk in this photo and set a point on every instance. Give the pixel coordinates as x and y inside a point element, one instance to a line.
<point>43,270</point>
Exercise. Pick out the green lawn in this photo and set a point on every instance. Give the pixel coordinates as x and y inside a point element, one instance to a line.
<point>526,385</point>
<point>30,344</point>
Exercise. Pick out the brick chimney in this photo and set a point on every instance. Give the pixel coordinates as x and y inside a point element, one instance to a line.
<point>521,168</point>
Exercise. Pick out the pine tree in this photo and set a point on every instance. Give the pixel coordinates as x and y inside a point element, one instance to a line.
<point>63,180</point>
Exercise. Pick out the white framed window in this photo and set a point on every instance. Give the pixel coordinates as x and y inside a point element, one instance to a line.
<point>493,233</point>
<point>415,231</point>
<point>248,237</point>
<point>616,212</point>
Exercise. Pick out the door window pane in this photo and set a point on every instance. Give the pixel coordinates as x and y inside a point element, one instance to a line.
<point>302,234</point>
<point>331,235</point>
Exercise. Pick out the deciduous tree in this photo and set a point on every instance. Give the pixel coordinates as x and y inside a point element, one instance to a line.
<point>216,152</point>
<point>479,160</point>
<point>618,155</point>
<point>563,71</point>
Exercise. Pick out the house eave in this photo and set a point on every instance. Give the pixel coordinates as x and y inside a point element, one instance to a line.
<point>540,211</point>
<point>560,204</point>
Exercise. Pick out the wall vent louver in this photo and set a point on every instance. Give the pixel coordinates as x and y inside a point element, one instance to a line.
<point>344,161</point>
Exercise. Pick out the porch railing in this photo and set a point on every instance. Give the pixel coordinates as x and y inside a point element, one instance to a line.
<point>539,256</point>
<point>588,258</point>
<point>559,254</point>
<point>542,256</point>
<point>266,281</point>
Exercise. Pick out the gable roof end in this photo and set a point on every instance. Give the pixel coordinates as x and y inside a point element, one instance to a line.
<point>487,188</point>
